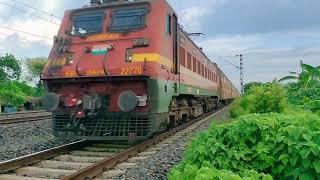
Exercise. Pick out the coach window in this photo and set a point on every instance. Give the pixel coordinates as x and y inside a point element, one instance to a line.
<point>189,61</point>
<point>182,55</point>
<point>169,24</point>
<point>195,65</point>
<point>202,70</point>
<point>206,72</point>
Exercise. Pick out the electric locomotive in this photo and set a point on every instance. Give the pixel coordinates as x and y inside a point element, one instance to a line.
<point>124,70</point>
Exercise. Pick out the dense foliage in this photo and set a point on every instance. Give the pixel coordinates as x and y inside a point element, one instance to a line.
<point>270,97</point>
<point>284,146</point>
<point>10,68</point>
<point>248,86</point>
<point>13,91</point>
<point>16,93</point>
<point>35,66</point>
<point>275,134</point>
<point>305,93</point>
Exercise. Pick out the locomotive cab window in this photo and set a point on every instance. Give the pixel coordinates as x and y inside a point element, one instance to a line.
<point>169,24</point>
<point>87,23</point>
<point>126,20</point>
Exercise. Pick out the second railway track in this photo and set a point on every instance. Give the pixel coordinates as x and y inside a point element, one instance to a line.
<point>24,117</point>
<point>84,160</point>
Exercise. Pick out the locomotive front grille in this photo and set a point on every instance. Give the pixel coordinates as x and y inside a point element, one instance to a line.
<point>109,125</point>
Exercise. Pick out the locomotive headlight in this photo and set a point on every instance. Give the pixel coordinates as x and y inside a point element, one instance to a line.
<point>69,59</point>
<point>128,101</point>
<point>129,55</point>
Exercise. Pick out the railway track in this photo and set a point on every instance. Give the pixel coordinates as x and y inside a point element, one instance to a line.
<point>21,117</point>
<point>89,160</point>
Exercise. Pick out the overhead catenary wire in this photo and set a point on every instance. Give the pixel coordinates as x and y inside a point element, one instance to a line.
<point>19,37</point>
<point>45,12</point>
<point>16,30</point>
<point>8,5</point>
<point>229,62</point>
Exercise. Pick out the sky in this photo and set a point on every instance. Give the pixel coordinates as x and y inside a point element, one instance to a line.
<point>272,35</point>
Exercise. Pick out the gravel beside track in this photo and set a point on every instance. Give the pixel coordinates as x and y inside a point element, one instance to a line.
<point>21,139</point>
<point>157,166</point>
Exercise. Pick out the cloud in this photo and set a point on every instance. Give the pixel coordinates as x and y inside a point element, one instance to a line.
<point>191,12</point>
<point>190,16</point>
<point>36,26</point>
<point>26,44</point>
<point>266,56</point>
<point>252,16</point>
<point>23,48</point>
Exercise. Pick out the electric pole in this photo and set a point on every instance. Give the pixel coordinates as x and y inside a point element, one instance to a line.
<point>241,73</point>
<point>241,70</point>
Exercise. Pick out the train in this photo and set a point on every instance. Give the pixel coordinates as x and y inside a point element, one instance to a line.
<point>124,70</point>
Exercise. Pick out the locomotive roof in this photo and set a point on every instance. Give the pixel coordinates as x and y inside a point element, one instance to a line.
<point>96,5</point>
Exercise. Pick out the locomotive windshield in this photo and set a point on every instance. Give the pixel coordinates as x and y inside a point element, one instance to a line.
<point>126,20</point>
<point>88,23</point>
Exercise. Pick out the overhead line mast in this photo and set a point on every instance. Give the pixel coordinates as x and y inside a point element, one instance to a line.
<point>241,73</point>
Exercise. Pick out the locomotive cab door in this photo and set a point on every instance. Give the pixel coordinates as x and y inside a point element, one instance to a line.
<point>175,44</point>
<point>176,69</point>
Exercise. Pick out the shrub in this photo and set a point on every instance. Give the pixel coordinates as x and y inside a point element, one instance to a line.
<point>284,146</point>
<point>307,97</point>
<point>266,98</point>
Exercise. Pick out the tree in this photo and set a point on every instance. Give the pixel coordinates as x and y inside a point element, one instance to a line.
<point>11,94</point>
<point>304,92</point>
<point>35,66</point>
<point>248,86</point>
<point>10,68</point>
<point>308,74</point>
<point>16,93</point>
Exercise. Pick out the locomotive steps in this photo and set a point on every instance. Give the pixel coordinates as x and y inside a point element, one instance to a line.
<point>81,160</point>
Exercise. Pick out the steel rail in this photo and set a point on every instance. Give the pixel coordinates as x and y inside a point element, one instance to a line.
<point>92,171</point>
<point>15,120</point>
<point>22,112</point>
<point>14,164</point>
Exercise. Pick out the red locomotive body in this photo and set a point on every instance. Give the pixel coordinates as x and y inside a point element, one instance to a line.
<point>123,70</point>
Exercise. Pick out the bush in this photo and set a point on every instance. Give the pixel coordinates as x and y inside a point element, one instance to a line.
<point>15,93</point>
<point>307,97</point>
<point>208,173</point>
<point>266,98</point>
<point>284,146</point>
